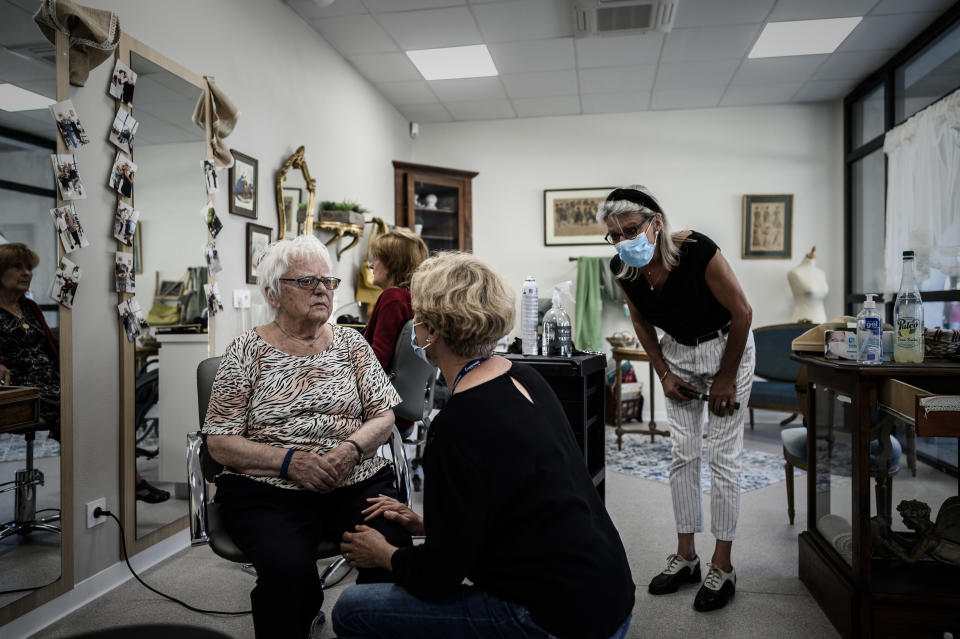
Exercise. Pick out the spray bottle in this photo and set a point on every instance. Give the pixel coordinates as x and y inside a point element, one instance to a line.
<point>557,339</point>
<point>869,332</point>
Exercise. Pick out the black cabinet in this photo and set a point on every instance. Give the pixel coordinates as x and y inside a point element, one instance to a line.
<point>578,382</point>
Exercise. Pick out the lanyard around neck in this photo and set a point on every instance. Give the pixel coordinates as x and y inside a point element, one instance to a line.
<point>472,364</point>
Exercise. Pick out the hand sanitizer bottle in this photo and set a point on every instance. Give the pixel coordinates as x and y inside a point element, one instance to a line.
<point>869,333</point>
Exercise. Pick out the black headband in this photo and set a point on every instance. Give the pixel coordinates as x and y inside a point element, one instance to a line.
<point>635,196</point>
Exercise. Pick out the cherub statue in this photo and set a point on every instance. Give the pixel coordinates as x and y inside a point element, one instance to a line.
<point>939,541</point>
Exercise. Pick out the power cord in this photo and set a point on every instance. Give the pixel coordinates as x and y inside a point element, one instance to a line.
<point>100,512</point>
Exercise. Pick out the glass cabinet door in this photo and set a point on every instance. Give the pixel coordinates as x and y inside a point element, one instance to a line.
<point>436,211</point>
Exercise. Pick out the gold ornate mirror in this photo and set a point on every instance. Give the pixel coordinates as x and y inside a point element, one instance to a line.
<point>296,195</point>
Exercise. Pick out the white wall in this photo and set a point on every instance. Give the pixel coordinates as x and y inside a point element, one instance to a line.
<point>698,162</point>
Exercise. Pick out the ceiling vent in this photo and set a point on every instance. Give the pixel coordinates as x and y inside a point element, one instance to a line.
<point>620,17</point>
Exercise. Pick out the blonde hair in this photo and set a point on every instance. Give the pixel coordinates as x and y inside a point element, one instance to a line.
<point>463,299</point>
<point>13,253</point>
<point>669,253</point>
<point>278,256</point>
<point>400,251</point>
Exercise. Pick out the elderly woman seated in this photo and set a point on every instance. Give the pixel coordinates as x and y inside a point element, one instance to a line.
<point>508,502</point>
<point>297,411</point>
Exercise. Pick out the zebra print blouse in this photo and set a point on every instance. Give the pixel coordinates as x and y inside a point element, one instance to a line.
<point>310,403</point>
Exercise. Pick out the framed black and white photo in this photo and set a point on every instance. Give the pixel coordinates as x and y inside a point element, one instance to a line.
<point>258,237</point>
<point>243,185</point>
<point>767,226</point>
<point>569,216</point>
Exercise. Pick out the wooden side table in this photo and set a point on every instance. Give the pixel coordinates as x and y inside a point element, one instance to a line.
<point>635,355</point>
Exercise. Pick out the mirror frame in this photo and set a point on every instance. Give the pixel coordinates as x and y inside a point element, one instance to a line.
<point>128,505</point>
<point>53,590</point>
<point>295,161</point>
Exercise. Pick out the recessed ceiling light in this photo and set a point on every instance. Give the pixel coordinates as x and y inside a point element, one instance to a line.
<point>13,98</point>
<point>804,37</point>
<point>454,62</point>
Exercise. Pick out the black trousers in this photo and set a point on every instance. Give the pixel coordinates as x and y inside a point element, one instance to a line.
<point>279,529</point>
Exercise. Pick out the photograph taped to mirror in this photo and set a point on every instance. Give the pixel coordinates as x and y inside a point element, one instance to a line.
<point>122,175</point>
<point>212,255</point>
<point>68,123</point>
<point>123,273</point>
<point>123,130</point>
<point>65,282</point>
<point>125,223</point>
<point>209,215</point>
<point>132,316</point>
<point>122,83</point>
<point>214,301</point>
<point>67,223</point>
<point>210,177</point>
<point>66,172</point>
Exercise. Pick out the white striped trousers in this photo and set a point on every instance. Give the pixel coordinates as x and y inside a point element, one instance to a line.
<point>697,365</point>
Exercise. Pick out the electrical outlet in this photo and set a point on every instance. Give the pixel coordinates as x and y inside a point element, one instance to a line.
<point>241,298</point>
<point>92,506</point>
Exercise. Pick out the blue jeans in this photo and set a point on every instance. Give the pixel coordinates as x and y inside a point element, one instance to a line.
<point>388,610</point>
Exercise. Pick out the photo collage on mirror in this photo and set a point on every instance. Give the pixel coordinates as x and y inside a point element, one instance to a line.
<point>214,301</point>
<point>68,123</point>
<point>134,323</point>
<point>213,257</point>
<point>123,174</point>
<point>66,172</point>
<point>67,223</point>
<point>210,179</point>
<point>65,281</point>
<point>123,130</point>
<point>125,223</point>
<point>122,83</point>
<point>123,273</point>
<point>209,216</point>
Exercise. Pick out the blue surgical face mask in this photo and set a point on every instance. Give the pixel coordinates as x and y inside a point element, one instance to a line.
<point>637,252</point>
<point>419,351</point>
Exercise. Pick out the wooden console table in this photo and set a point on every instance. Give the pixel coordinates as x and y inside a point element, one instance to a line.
<point>621,355</point>
<point>19,408</point>
<point>863,593</point>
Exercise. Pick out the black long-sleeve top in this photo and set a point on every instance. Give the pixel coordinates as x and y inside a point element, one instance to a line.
<point>508,503</point>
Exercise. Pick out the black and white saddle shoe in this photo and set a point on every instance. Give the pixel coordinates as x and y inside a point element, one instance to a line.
<point>717,589</point>
<point>679,571</point>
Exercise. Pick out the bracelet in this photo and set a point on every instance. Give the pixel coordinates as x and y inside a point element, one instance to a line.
<point>357,446</point>
<point>664,376</point>
<point>286,463</point>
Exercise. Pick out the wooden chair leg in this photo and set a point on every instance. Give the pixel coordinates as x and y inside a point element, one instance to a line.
<point>751,419</point>
<point>788,467</point>
<point>792,417</point>
<point>912,449</point>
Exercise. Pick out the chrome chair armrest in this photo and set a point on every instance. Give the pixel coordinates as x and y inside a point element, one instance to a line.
<point>197,490</point>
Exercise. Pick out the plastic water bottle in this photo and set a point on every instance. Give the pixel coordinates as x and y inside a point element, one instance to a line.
<point>557,331</point>
<point>529,314</point>
<point>869,332</point>
<point>908,315</point>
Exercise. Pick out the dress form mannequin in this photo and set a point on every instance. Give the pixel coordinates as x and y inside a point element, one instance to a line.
<point>809,286</point>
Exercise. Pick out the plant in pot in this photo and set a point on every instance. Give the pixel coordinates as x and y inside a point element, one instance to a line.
<point>346,211</point>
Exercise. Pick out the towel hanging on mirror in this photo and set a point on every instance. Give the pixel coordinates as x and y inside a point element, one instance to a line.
<point>223,119</point>
<point>94,34</point>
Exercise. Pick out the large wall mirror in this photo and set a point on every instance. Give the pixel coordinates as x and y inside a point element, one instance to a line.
<point>159,369</point>
<point>35,541</point>
<point>296,195</point>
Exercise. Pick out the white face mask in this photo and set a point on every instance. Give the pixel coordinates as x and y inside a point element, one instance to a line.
<point>837,348</point>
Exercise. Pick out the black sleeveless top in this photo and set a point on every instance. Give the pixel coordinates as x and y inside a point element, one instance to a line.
<point>685,308</point>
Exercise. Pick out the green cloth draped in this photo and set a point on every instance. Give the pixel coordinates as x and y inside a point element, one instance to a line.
<point>588,332</point>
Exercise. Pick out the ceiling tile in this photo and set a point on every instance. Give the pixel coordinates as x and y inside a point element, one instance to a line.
<point>823,90</point>
<point>382,6</point>
<point>851,66</point>
<point>385,67</point>
<point>469,89</point>
<point>714,43</point>
<point>681,75</point>
<point>482,110</point>
<point>617,79</point>
<point>533,107</point>
<point>311,10</point>
<point>533,55</point>
<point>426,113</point>
<point>431,29</point>
<point>403,93</point>
<point>531,20</point>
<point>819,9</point>
<point>760,94</point>
<point>778,70</point>
<point>619,50</point>
<point>615,102</point>
<point>911,6</point>
<point>706,13</point>
<point>886,32</point>
<point>687,98</point>
<point>540,85</point>
<point>354,34</point>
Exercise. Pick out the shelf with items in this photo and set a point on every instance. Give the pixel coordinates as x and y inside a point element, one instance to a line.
<point>436,203</point>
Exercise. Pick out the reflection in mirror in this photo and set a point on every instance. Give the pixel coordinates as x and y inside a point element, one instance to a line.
<point>296,193</point>
<point>169,195</point>
<point>30,542</point>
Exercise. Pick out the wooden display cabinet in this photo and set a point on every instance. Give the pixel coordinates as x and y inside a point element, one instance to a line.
<point>437,199</point>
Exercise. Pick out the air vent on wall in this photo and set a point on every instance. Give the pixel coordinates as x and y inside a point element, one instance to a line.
<point>617,17</point>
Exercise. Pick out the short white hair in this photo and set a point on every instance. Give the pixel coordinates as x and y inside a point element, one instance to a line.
<point>276,258</point>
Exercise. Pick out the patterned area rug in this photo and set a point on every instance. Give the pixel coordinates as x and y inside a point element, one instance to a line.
<point>14,447</point>
<point>652,461</point>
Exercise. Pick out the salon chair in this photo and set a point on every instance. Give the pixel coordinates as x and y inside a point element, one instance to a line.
<point>206,525</point>
<point>25,499</point>
<point>414,380</point>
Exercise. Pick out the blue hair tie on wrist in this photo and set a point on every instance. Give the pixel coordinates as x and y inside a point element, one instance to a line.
<point>286,464</point>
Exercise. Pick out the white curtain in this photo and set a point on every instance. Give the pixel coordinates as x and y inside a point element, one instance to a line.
<point>923,191</point>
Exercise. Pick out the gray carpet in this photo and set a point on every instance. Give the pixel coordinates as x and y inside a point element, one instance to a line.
<point>14,447</point>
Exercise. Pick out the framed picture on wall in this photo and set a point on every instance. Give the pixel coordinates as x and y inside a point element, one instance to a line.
<point>243,185</point>
<point>767,227</point>
<point>257,239</point>
<point>569,216</point>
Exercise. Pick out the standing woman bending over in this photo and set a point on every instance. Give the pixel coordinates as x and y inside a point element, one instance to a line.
<point>680,283</point>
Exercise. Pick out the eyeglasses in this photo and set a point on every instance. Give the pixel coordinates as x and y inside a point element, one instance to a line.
<point>310,283</point>
<point>628,233</point>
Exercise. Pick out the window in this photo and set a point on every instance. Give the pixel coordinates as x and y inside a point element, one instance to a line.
<point>929,75</point>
